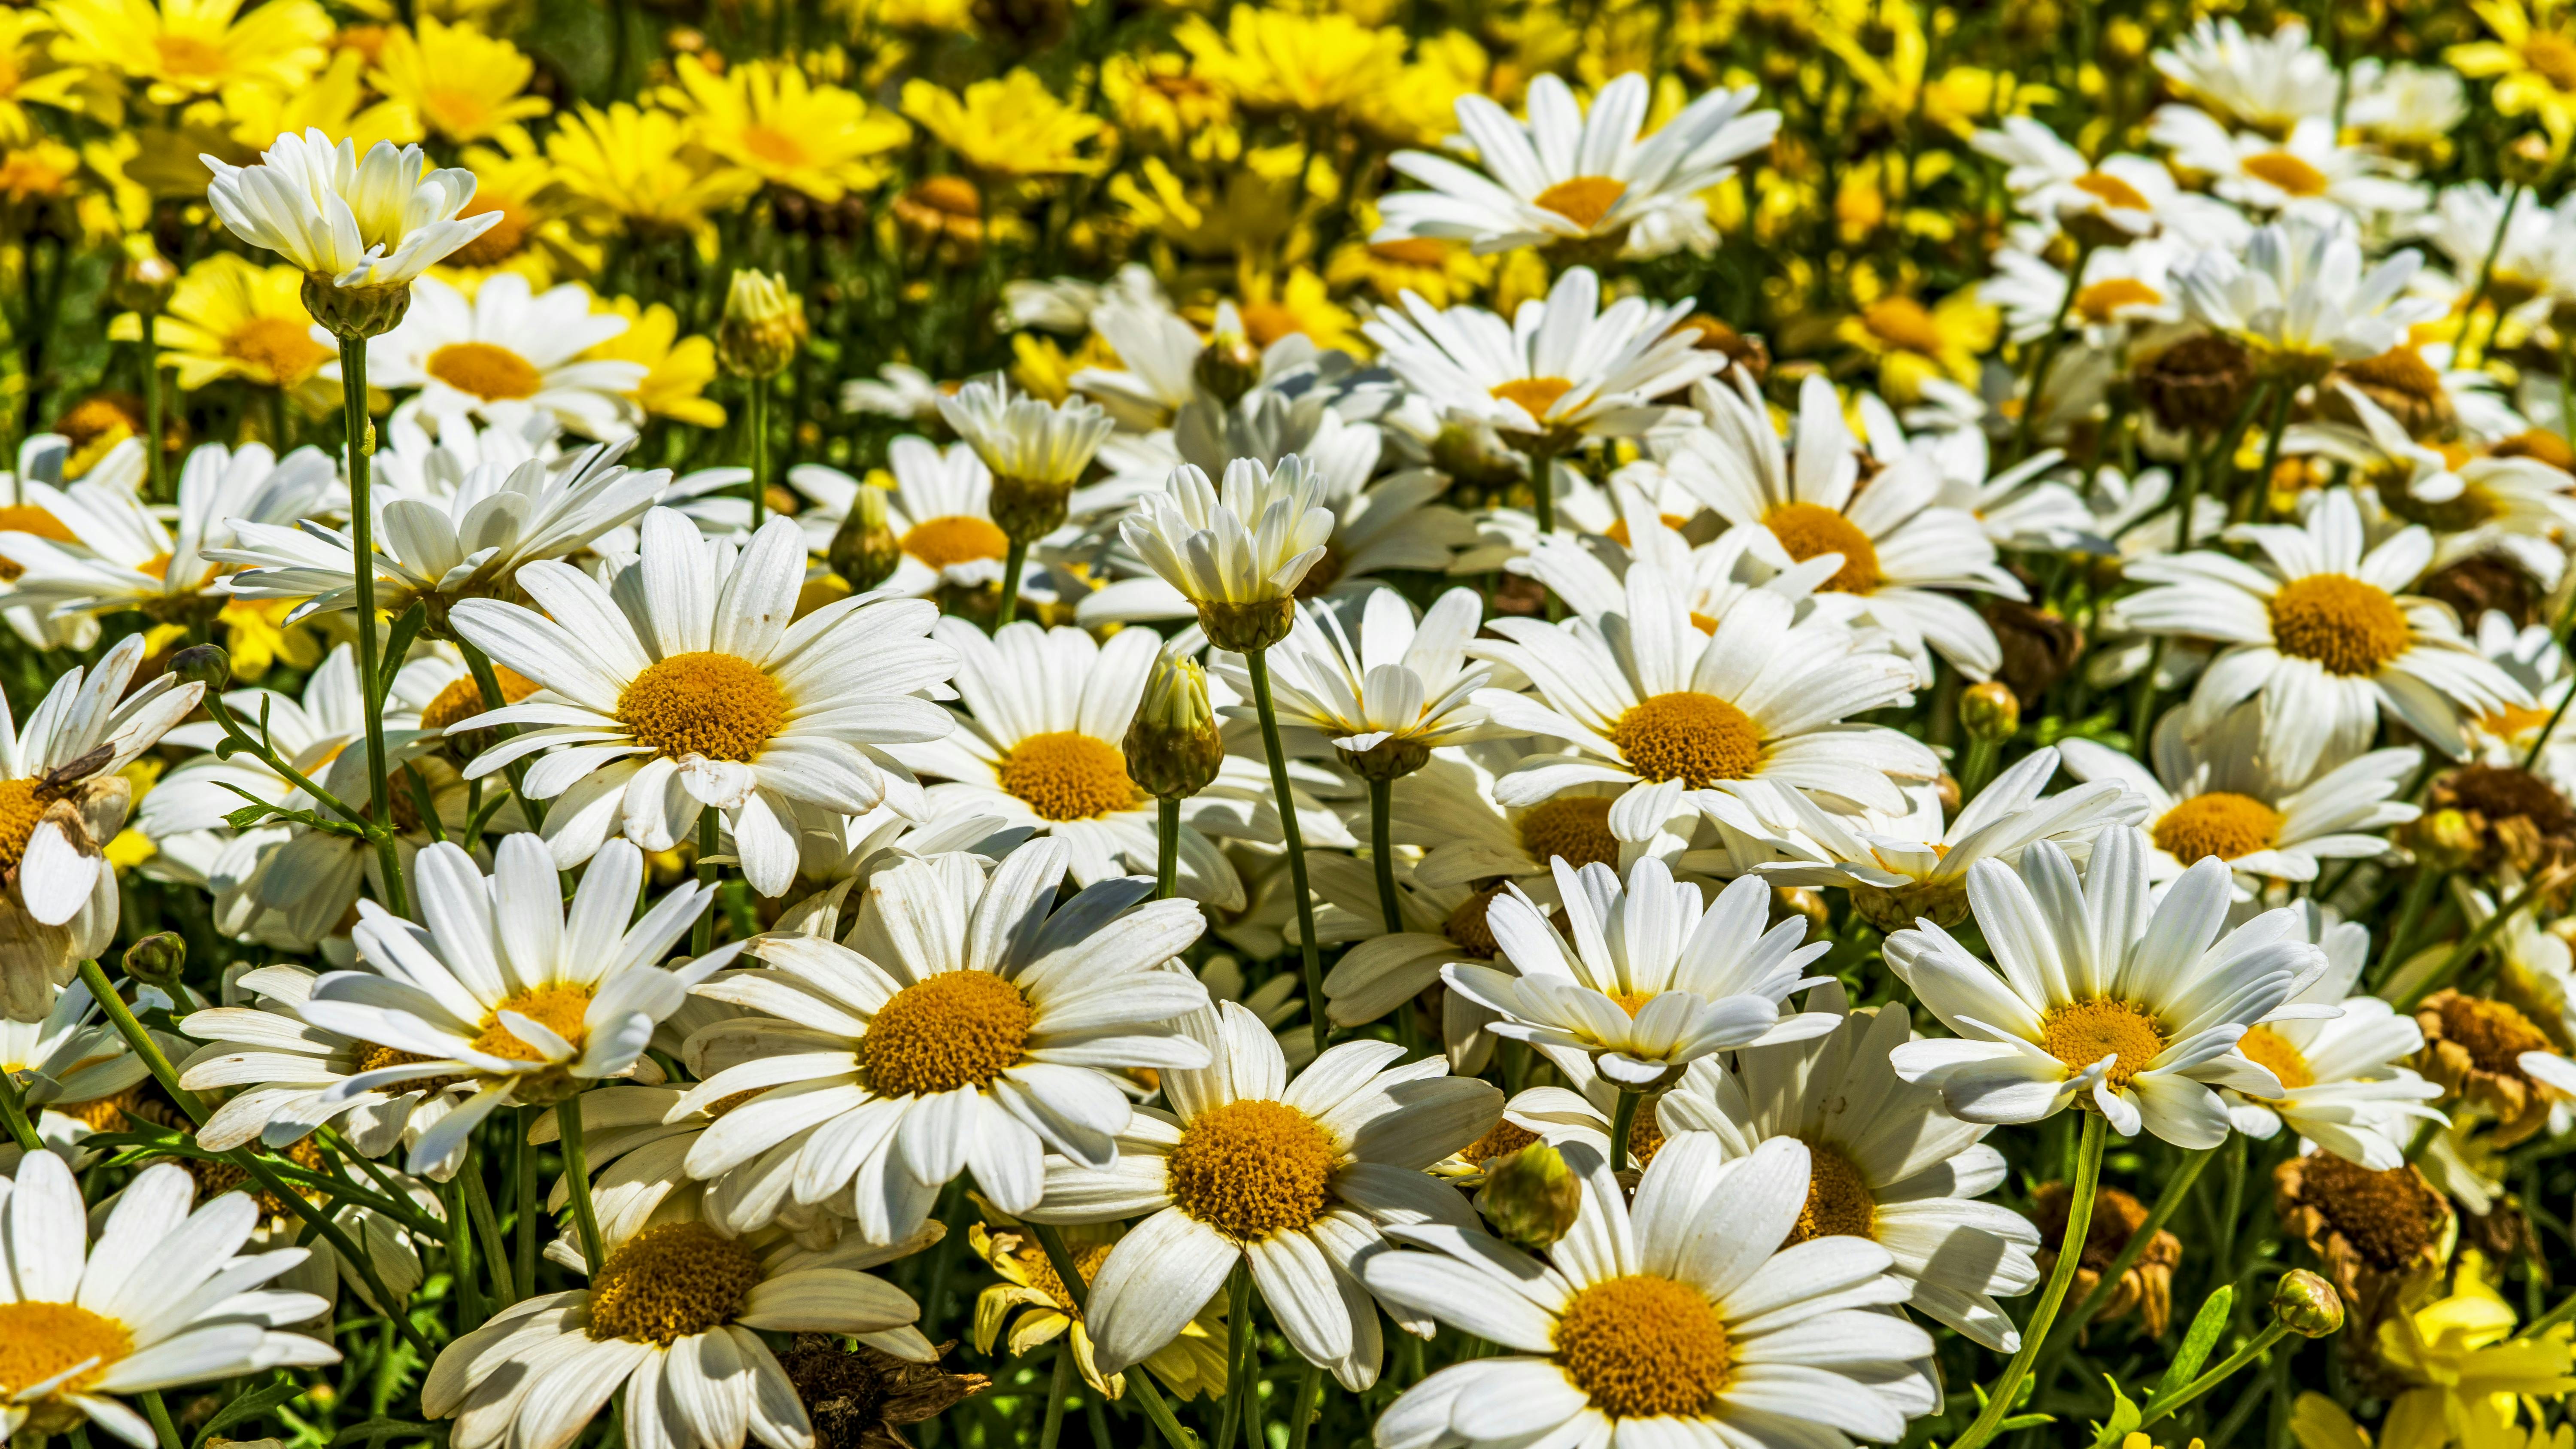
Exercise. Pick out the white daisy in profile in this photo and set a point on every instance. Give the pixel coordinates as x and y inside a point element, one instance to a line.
<point>1035,450</point>
<point>1685,1318</point>
<point>507,985</point>
<point>899,390</point>
<point>1402,690</point>
<point>1885,1162</point>
<point>1040,743</point>
<point>940,511</point>
<point>2516,507</point>
<point>1653,706</point>
<point>1651,980</point>
<point>163,1297</point>
<point>674,1317</point>
<point>1562,369</point>
<point>2132,195</point>
<point>376,222</point>
<point>2321,633</point>
<point>73,1069</point>
<point>1571,176</point>
<point>2299,299</point>
<point>958,1025</point>
<point>2100,995</point>
<point>1237,552</point>
<point>1297,1180</point>
<point>1902,550</point>
<point>2307,172</point>
<point>2533,658</point>
<point>1589,571</point>
<point>2267,83</point>
<point>508,353</point>
<point>2338,1059</point>
<point>1449,812</point>
<point>682,686</point>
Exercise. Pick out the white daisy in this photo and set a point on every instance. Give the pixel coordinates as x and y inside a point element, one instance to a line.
<point>940,511</point>
<point>2305,173</point>
<point>72,1068</point>
<point>2532,657</point>
<point>1449,812</point>
<point>506,354</point>
<point>1568,176</point>
<point>1680,1320</point>
<point>959,1025</point>
<point>1036,451</point>
<point>2267,82</point>
<point>1239,552</point>
<point>688,660</point>
<point>2516,507</point>
<point>2121,289</point>
<point>164,1297</point>
<point>2412,107</point>
<point>2341,1085</point>
<point>1295,1179</point>
<point>2131,195</point>
<point>1403,689</point>
<point>504,988</point>
<point>899,390</point>
<point>2320,632</point>
<point>377,222</point>
<point>1589,571</point>
<point>2299,298</point>
<point>2099,995</point>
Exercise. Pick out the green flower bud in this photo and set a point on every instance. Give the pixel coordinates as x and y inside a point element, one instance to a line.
<point>1530,1197</point>
<point>205,664</point>
<point>2306,1304</point>
<point>764,324</point>
<point>356,312</point>
<point>1173,746</point>
<point>1990,712</point>
<point>1228,367</point>
<point>157,960</point>
<point>864,550</point>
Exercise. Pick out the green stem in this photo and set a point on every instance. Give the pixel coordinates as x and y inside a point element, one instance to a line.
<point>759,452</point>
<point>2486,276</point>
<point>702,936</point>
<point>1014,560</point>
<point>2282,397</point>
<point>1059,1384</point>
<point>529,1207</point>
<point>2168,1201</point>
<point>362,534</point>
<point>2046,360</point>
<point>487,1226</point>
<point>1238,1352</point>
<point>2070,1252</point>
<point>577,1178</point>
<point>2475,942</point>
<point>159,465</point>
<point>460,1249</point>
<point>1141,1382</point>
<point>1623,1120</point>
<point>1310,1395</point>
<point>162,1427</point>
<point>2272,1333</point>
<point>531,812</point>
<point>1382,852</point>
<point>13,1114</point>
<point>139,1041</point>
<point>1258,663</point>
<point>1167,848</point>
<point>2565,1310</point>
<point>1542,464</point>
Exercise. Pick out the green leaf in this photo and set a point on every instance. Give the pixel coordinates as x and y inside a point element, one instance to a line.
<point>406,629</point>
<point>2206,1326</point>
<point>2125,1417</point>
<point>249,1405</point>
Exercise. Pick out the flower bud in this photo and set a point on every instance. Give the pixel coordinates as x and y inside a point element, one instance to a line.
<point>205,664</point>
<point>764,324</point>
<point>1530,1197</point>
<point>158,960</point>
<point>355,312</point>
<point>1228,367</point>
<point>1990,712</point>
<point>864,550</point>
<point>1241,627</point>
<point>2306,1304</point>
<point>143,279</point>
<point>1173,746</point>
<point>2528,159</point>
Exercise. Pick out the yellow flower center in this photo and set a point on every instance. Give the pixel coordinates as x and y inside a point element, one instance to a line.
<point>1839,1203</point>
<point>489,372</point>
<point>1687,736</point>
<point>2350,627</point>
<point>1573,827</point>
<point>1584,200</point>
<point>2085,1032</point>
<point>2513,720</point>
<point>2102,301</point>
<point>374,1058</point>
<point>2552,56</point>
<point>1042,1276</point>
<point>2112,191</point>
<point>1068,775</point>
<point>462,699</point>
<point>2495,1034</point>
<point>21,808</point>
<point>2287,172</point>
<point>1903,323</point>
<point>1467,925</point>
<point>1505,1136</point>
<point>276,350</point>
<point>718,705</point>
<point>1533,395</point>
<point>955,1029</point>
<point>2268,1048</point>
<point>41,1340</point>
<point>1252,1168</point>
<point>2401,369</point>
<point>1811,530</point>
<point>559,1009</point>
<point>1644,1347</point>
<point>2220,823</point>
<point>1267,322</point>
<point>183,56</point>
<point>956,539</point>
<point>501,240</point>
<point>669,1282</point>
<point>28,518</point>
<point>774,147</point>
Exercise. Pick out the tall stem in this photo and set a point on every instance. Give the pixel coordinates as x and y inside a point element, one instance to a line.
<point>577,1178</point>
<point>163,1430</point>
<point>1238,1349</point>
<point>1141,1382</point>
<point>2177,1187</point>
<point>2283,395</point>
<point>523,1154</point>
<point>460,1248</point>
<point>487,1225</point>
<point>1310,1394</point>
<point>1167,848</point>
<point>362,534</point>
<point>2045,361</point>
<point>702,936</point>
<point>759,452</point>
<point>13,1114</point>
<point>2272,1333</point>
<point>159,466</point>
<point>1623,1120</point>
<point>532,813</point>
<point>1014,560</point>
<point>1542,462</point>
<point>1059,1384</point>
<point>2070,1252</point>
<point>1258,662</point>
<point>1382,848</point>
<point>2486,277</point>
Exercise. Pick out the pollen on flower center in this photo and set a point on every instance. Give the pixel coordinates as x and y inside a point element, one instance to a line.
<point>1687,736</point>
<point>1533,395</point>
<point>1503,1138</point>
<point>1043,1277</point>
<point>463,698</point>
<point>280,347</point>
<point>490,372</point>
<point>2220,823</point>
<point>2552,56</point>
<point>955,539</point>
<point>1583,200</point>
<point>955,1029</point>
<point>1575,828</point>
<point>1839,1202</point>
<point>1068,775</point>
<point>718,705</point>
<point>2268,1048</point>
<point>2287,172</point>
<point>376,1058</point>
<point>2102,300</point>
<point>21,810</point>
<point>2085,1032</point>
<point>1644,1347</point>
<point>1468,927</point>
<point>41,1340</point>
<point>2350,627</point>
<point>671,1281</point>
<point>1252,1168</point>
<point>559,1009</point>
<point>2493,1033</point>
<point>2112,191</point>
<point>1811,530</point>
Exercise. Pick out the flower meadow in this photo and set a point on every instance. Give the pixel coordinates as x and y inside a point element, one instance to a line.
<point>1569,724</point>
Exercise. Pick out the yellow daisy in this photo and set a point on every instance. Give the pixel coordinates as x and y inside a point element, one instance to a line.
<point>637,166</point>
<point>258,113</point>
<point>1274,307</point>
<point>257,635</point>
<point>27,77</point>
<point>765,117</point>
<point>2533,57</point>
<point>1444,272</point>
<point>182,49</point>
<point>1311,65</point>
<point>231,318</point>
<point>463,84</point>
<point>1010,127</point>
<point>676,369</point>
<point>535,237</point>
<point>1158,96</point>
<point>1914,343</point>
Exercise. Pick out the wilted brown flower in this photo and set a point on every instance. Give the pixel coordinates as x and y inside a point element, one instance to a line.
<point>2521,820</point>
<point>2472,1049</point>
<point>2404,386</point>
<point>2197,385</point>
<point>2380,1235</point>
<point>859,1398</point>
<point>2146,1287</point>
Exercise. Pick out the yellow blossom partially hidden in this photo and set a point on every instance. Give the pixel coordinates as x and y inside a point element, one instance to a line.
<point>27,77</point>
<point>231,318</point>
<point>765,117</point>
<point>2469,1372</point>
<point>1156,97</point>
<point>1273,308</point>
<point>1249,208</point>
<point>2318,1422</point>
<point>1889,54</point>
<point>1278,60</point>
<point>1445,273</point>
<point>1914,343</point>
<point>1014,126</point>
<point>1421,107</point>
<point>2533,60</point>
<point>537,236</point>
<point>182,49</point>
<point>257,635</point>
<point>1030,1300</point>
<point>464,85</point>
<point>637,167</point>
<point>1042,370</point>
<point>676,369</point>
<point>335,102</point>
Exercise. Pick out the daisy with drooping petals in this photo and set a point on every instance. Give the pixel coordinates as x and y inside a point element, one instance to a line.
<point>508,987</point>
<point>2099,995</point>
<point>1297,1180</point>
<point>2341,1083</point>
<point>2320,632</point>
<point>1238,551</point>
<point>1651,980</point>
<point>1687,1317</point>
<point>1566,176</point>
<point>958,1025</point>
<point>163,1297</point>
<point>1191,1366</point>
<point>507,353</point>
<point>689,661</point>
<point>1404,690</point>
<point>350,223</point>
